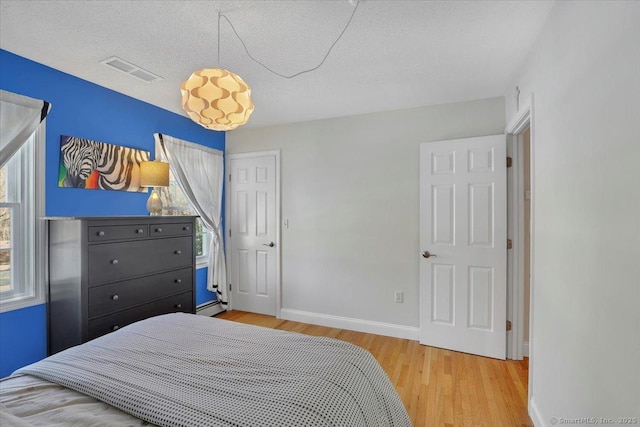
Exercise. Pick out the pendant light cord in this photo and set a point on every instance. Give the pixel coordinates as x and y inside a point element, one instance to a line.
<point>218,63</point>
<point>273,71</point>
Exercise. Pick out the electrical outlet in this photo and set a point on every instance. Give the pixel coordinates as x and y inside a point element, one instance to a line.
<point>399,296</point>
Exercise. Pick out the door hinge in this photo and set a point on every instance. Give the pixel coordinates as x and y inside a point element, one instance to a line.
<point>509,244</point>
<point>229,232</point>
<point>229,177</point>
<point>509,162</point>
<point>230,287</point>
<point>508,325</point>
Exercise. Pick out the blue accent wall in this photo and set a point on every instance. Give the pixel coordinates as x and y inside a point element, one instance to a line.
<point>203,295</point>
<point>23,338</point>
<point>86,110</point>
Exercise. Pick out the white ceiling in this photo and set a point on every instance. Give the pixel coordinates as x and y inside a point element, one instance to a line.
<point>395,54</point>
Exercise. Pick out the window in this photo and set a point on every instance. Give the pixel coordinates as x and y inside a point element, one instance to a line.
<point>174,202</point>
<point>21,236</point>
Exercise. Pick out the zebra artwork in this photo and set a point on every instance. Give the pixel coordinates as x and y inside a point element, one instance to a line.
<point>96,165</point>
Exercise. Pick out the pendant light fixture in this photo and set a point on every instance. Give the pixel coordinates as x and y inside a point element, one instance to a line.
<point>215,98</point>
<point>219,99</point>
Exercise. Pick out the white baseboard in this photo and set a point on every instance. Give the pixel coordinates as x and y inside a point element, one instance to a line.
<point>525,349</point>
<point>359,325</point>
<point>209,309</point>
<point>535,415</point>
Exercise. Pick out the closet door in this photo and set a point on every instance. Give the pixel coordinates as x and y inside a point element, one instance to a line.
<point>253,230</point>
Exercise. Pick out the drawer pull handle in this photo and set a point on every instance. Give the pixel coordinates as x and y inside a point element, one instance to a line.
<point>178,281</point>
<point>178,305</point>
<point>139,231</point>
<point>100,233</point>
<point>178,252</point>
<point>158,230</point>
<point>115,328</point>
<point>114,262</point>
<point>186,228</point>
<point>115,297</point>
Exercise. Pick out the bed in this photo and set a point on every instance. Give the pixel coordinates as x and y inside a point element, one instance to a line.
<point>187,370</point>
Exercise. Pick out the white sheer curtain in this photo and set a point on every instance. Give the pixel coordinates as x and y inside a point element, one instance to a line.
<point>21,132</point>
<point>20,116</point>
<point>199,171</point>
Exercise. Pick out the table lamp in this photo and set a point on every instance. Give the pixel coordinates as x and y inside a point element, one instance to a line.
<point>154,174</point>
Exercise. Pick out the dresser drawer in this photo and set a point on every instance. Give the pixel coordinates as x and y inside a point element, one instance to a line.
<point>168,230</point>
<point>177,303</point>
<point>117,232</point>
<point>118,261</point>
<point>106,299</point>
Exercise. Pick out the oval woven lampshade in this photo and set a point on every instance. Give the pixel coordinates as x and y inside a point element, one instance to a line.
<point>217,99</point>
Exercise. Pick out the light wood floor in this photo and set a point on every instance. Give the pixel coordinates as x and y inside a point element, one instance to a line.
<point>438,387</point>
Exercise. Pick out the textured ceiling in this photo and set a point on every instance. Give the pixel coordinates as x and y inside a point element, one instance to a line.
<point>395,54</point>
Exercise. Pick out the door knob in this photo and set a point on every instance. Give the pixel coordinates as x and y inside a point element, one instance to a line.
<point>271,244</point>
<point>427,254</point>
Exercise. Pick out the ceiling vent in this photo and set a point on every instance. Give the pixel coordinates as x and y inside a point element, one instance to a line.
<point>131,69</point>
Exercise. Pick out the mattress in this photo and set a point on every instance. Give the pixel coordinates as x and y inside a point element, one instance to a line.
<point>187,370</point>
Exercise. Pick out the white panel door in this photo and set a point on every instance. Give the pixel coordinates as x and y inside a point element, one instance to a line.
<point>463,241</point>
<point>253,233</point>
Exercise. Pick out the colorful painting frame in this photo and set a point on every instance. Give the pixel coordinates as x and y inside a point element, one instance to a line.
<point>95,165</point>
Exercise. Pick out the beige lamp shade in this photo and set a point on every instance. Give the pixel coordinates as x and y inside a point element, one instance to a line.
<point>217,99</point>
<point>154,174</point>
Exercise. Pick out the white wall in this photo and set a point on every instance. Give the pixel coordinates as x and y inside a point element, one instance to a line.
<point>584,71</point>
<point>350,193</point>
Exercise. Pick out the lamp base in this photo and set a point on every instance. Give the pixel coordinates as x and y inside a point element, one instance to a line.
<point>154,204</point>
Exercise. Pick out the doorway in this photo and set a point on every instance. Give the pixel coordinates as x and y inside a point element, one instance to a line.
<point>519,257</point>
<point>521,225</point>
<point>526,276</point>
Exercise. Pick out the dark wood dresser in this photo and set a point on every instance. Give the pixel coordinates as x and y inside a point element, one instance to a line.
<point>107,272</point>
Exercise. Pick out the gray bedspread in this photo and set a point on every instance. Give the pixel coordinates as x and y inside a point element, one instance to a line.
<point>187,370</point>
